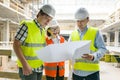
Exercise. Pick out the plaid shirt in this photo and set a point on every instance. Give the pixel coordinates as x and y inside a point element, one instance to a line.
<point>21,35</point>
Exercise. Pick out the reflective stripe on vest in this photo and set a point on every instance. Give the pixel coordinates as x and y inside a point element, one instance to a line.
<point>34,44</point>
<point>31,58</point>
<point>53,68</point>
<point>86,61</point>
<point>82,64</point>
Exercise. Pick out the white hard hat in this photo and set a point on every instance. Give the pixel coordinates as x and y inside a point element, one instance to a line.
<point>49,10</point>
<point>81,14</point>
<point>53,23</point>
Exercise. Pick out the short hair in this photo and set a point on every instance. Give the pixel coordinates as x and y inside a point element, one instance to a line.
<point>48,33</point>
<point>41,13</point>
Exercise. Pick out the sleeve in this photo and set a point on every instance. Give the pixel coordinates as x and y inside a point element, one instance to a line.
<point>99,43</point>
<point>22,33</point>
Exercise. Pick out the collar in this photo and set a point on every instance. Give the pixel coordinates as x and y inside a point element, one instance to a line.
<point>37,23</point>
<point>58,37</point>
<point>85,29</point>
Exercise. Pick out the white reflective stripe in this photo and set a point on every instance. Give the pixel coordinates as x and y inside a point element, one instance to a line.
<point>61,67</point>
<point>53,68</point>
<point>31,58</point>
<point>86,61</point>
<point>50,68</point>
<point>39,69</point>
<point>34,44</point>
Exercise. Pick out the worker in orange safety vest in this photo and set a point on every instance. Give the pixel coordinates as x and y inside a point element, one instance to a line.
<point>54,70</point>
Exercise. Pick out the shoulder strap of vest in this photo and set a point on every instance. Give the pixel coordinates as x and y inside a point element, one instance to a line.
<point>25,22</point>
<point>48,41</point>
<point>62,39</point>
<point>75,35</point>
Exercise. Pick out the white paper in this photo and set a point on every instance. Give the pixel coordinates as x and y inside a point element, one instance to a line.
<point>70,74</point>
<point>81,50</point>
<point>63,51</point>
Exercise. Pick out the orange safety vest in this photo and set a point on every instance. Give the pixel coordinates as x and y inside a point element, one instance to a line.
<point>51,68</point>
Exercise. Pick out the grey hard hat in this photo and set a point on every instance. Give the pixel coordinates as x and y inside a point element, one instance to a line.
<point>49,10</point>
<point>81,14</point>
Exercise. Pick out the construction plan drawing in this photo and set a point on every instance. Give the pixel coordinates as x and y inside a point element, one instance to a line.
<point>64,51</point>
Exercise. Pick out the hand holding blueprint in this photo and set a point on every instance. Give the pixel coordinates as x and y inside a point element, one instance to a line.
<point>64,51</point>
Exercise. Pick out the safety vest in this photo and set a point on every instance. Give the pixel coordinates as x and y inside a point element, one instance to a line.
<point>35,41</point>
<point>51,68</point>
<point>82,64</point>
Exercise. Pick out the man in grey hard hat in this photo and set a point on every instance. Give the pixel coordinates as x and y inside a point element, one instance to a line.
<point>29,38</point>
<point>87,67</point>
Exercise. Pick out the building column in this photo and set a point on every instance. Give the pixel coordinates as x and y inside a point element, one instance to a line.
<point>6,32</point>
<point>108,39</point>
<point>12,35</point>
<point>116,38</point>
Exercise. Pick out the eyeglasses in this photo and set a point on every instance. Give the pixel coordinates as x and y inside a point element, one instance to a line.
<point>55,29</point>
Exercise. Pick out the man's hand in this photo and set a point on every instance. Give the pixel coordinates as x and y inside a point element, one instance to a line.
<point>88,57</point>
<point>27,70</point>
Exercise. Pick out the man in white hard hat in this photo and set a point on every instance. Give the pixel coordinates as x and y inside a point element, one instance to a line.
<point>29,38</point>
<point>87,67</point>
